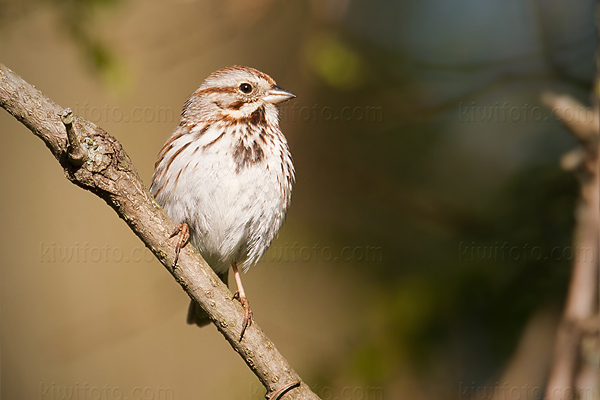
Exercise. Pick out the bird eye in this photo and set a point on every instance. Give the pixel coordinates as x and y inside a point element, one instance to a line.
<point>246,88</point>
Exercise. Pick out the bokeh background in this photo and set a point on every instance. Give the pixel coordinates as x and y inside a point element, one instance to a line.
<point>427,251</point>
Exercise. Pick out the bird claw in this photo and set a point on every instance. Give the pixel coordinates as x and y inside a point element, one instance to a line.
<point>247,312</point>
<point>247,317</point>
<point>183,230</point>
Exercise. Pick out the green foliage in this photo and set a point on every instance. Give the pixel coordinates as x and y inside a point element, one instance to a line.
<point>334,61</point>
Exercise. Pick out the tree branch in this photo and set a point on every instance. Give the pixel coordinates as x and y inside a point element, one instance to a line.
<point>95,161</point>
<point>571,370</point>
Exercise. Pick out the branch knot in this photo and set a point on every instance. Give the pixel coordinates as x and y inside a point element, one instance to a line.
<point>77,154</point>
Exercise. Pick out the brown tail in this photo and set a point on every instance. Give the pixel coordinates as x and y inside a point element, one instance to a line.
<point>196,315</point>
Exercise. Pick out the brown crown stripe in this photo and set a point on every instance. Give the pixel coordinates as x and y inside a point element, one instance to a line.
<point>247,69</point>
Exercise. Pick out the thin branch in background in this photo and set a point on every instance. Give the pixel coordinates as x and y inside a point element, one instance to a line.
<point>574,369</point>
<point>95,161</point>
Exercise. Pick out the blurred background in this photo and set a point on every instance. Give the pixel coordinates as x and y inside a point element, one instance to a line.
<point>427,251</point>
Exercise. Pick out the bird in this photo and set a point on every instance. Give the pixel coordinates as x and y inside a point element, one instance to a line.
<point>225,175</point>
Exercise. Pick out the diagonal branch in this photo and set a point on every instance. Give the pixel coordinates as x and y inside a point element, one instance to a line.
<point>95,161</point>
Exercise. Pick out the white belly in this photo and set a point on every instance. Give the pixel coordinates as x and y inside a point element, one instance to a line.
<point>233,213</point>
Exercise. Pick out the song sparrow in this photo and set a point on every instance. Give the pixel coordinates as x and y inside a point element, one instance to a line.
<point>225,176</point>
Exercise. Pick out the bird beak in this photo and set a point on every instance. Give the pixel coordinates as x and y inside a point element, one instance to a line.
<point>277,95</point>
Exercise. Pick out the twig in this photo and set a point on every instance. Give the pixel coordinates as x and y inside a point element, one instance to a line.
<point>108,172</point>
<point>570,371</point>
<point>75,149</point>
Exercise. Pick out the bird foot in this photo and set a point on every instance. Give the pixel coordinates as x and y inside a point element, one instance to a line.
<point>183,230</point>
<point>247,312</point>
